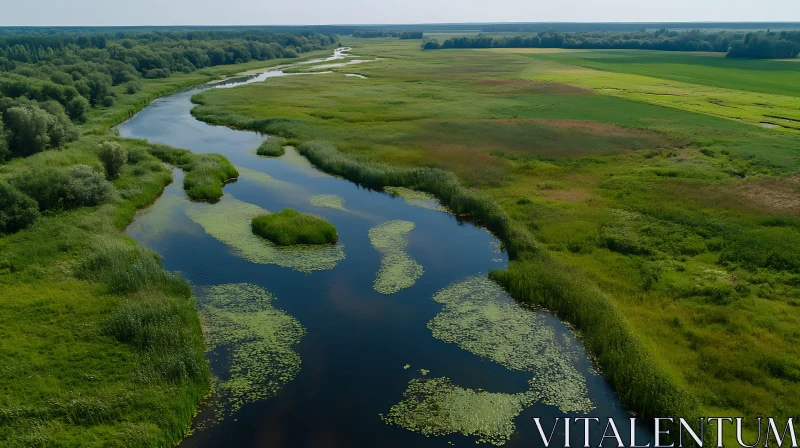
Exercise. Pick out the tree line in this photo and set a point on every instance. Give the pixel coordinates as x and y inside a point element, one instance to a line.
<point>757,45</point>
<point>51,78</point>
<point>388,33</point>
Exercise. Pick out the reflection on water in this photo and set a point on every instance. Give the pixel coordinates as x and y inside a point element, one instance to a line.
<point>357,340</point>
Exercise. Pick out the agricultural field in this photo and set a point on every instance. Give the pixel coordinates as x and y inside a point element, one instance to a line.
<point>648,175</point>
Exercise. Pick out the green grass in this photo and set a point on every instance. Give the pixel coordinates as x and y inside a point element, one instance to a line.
<point>663,229</point>
<point>289,227</point>
<point>272,147</point>
<point>205,174</point>
<point>775,77</point>
<point>100,345</point>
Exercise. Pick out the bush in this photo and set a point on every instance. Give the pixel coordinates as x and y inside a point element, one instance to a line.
<point>108,101</point>
<point>272,147</point>
<point>113,156</point>
<point>86,187</point>
<point>59,188</point>
<point>77,108</point>
<point>17,211</point>
<point>291,227</point>
<point>133,87</point>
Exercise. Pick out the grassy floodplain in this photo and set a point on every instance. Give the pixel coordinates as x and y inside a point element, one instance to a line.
<point>101,346</point>
<point>667,231</point>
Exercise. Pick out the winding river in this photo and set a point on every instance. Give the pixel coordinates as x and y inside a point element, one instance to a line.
<point>365,339</point>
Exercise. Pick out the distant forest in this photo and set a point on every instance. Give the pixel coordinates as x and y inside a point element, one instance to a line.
<point>384,33</point>
<point>755,45</point>
<point>51,78</point>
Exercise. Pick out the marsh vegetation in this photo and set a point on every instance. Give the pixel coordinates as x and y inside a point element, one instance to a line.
<point>272,147</point>
<point>290,227</point>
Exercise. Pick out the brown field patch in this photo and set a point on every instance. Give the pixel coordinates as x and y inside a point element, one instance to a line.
<point>524,138</point>
<point>573,196</point>
<point>779,196</point>
<point>522,87</point>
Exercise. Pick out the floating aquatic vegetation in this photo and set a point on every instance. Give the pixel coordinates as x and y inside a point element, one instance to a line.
<point>424,372</point>
<point>407,366</point>
<point>328,200</point>
<point>240,319</point>
<point>437,407</point>
<point>292,156</point>
<point>157,219</point>
<point>481,318</point>
<point>416,198</point>
<point>229,222</point>
<point>398,271</point>
<point>258,176</point>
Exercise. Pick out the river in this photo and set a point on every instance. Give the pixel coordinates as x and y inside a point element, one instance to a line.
<point>360,347</point>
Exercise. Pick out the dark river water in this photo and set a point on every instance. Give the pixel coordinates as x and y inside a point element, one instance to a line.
<point>357,340</point>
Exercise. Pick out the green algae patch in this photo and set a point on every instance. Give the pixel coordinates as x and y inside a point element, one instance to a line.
<point>159,218</point>
<point>258,176</point>
<point>257,339</point>
<point>229,222</point>
<point>327,200</point>
<point>301,163</point>
<point>417,198</point>
<point>437,407</point>
<point>398,270</point>
<point>481,318</point>
<point>290,227</point>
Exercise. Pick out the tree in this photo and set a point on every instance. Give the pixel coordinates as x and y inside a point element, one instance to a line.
<point>113,156</point>
<point>28,128</point>
<point>77,108</point>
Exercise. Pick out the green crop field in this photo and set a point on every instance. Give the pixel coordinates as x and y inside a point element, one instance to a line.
<point>645,175</point>
<point>708,69</point>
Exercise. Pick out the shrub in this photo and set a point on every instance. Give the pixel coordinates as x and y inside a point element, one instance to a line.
<point>136,155</point>
<point>59,188</point>
<point>113,156</point>
<point>292,227</point>
<point>108,101</point>
<point>17,211</point>
<point>86,187</point>
<point>133,87</point>
<point>77,108</point>
<point>272,147</point>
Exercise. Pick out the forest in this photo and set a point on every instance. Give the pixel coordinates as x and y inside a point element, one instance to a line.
<point>386,33</point>
<point>52,78</point>
<point>737,44</point>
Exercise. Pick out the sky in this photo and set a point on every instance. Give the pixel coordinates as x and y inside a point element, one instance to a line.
<point>318,12</point>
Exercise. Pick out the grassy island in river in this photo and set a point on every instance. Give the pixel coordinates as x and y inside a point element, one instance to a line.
<point>289,227</point>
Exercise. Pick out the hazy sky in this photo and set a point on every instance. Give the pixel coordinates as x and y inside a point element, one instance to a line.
<point>280,12</point>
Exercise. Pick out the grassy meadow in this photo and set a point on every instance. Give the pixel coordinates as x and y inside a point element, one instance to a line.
<point>99,346</point>
<point>666,218</point>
